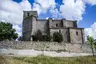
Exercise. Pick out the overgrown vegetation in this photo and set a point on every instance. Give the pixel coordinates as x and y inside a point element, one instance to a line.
<point>57,37</point>
<point>7,32</point>
<point>49,60</point>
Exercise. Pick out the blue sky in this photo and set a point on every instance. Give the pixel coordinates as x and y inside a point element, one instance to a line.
<point>89,17</point>
<point>84,11</point>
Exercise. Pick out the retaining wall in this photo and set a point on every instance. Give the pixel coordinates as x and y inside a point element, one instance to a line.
<point>47,46</point>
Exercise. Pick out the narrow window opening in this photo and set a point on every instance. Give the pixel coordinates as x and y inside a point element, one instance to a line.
<point>56,25</point>
<point>76,33</point>
<point>28,14</point>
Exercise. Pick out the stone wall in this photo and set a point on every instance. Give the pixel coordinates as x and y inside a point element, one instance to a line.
<point>76,35</point>
<point>42,25</point>
<point>67,23</point>
<point>48,46</point>
<point>27,28</point>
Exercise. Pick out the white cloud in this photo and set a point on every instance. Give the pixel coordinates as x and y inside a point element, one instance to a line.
<point>55,13</point>
<point>26,6</point>
<point>10,12</point>
<point>72,9</point>
<point>42,6</point>
<point>92,2</point>
<point>91,31</point>
<point>37,7</point>
<point>45,4</point>
<point>18,29</point>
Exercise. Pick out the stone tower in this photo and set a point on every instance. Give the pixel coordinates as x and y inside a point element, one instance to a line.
<point>29,24</point>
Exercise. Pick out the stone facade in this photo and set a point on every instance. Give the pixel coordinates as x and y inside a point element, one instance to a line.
<point>71,33</point>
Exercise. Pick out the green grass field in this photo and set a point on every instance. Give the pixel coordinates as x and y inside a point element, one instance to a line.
<point>47,60</point>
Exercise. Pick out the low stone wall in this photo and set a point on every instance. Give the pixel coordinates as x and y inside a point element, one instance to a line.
<point>47,46</point>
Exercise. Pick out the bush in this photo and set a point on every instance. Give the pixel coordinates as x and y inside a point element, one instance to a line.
<point>57,37</point>
<point>46,38</point>
<point>38,36</point>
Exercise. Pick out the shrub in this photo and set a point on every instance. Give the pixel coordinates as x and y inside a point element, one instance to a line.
<point>46,37</point>
<point>38,36</point>
<point>57,37</point>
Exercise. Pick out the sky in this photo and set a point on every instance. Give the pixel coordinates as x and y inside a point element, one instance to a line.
<point>84,11</point>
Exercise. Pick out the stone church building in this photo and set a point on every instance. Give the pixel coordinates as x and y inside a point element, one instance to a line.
<point>71,33</point>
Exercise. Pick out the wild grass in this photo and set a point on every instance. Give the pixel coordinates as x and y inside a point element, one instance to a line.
<point>48,60</point>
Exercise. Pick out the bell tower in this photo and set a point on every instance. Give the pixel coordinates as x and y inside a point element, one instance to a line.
<point>29,24</point>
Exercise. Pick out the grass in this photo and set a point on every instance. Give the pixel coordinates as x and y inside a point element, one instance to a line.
<point>48,60</point>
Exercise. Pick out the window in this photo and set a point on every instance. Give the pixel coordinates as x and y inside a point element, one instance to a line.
<point>56,25</point>
<point>28,14</point>
<point>76,33</point>
<point>62,23</point>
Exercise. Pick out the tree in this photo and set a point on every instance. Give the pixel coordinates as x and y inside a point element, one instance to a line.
<point>7,32</point>
<point>46,37</point>
<point>57,37</point>
<point>38,36</point>
<point>91,42</point>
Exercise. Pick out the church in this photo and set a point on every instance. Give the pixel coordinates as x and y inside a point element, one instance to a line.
<point>70,32</point>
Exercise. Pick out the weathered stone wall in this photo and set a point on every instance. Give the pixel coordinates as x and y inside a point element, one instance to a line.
<point>34,25</point>
<point>76,36</point>
<point>55,24</point>
<point>27,28</point>
<point>68,23</point>
<point>48,46</point>
<point>42,25</point>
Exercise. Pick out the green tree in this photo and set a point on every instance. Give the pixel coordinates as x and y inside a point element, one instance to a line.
<point>46,37</point>
<point>38,36</point>
<point>57,37</point>
<point>7,32</point>
<point>91,42</point>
